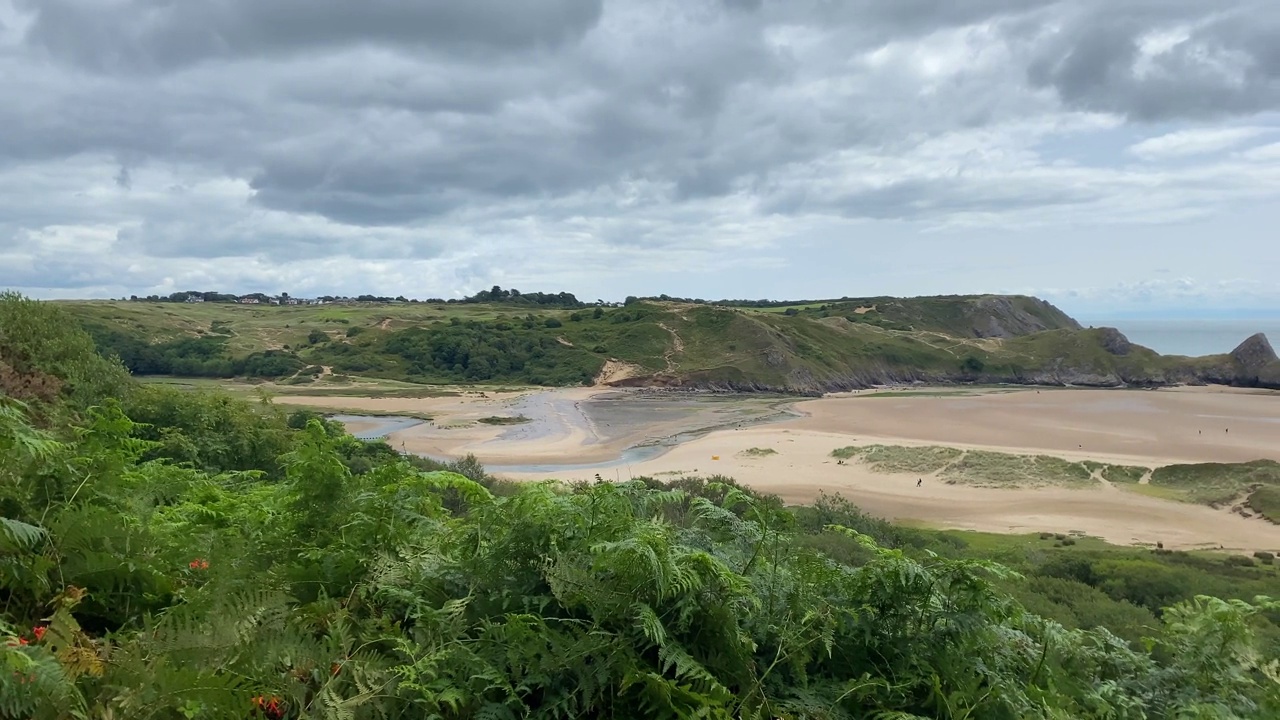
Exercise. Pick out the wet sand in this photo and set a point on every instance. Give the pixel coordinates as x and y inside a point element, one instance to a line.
<point>565,427</point>
<point>1162,427</point>
<point>579,433</point>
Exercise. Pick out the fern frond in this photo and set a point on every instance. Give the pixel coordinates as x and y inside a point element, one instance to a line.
<point>18,536</point>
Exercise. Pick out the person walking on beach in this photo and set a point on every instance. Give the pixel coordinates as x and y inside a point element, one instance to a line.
<point>919,482</point>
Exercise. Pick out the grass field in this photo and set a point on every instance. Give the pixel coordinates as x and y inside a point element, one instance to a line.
<point>252,328</point>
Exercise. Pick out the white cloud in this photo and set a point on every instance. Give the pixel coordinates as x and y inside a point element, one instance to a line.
<point>1263,153</point>
<point>1199,141</point>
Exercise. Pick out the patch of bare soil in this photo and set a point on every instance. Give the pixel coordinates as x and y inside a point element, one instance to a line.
<point>617,371</point>
<point>677,346</point>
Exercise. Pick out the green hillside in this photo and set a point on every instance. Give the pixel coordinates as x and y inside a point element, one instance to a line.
<point>809,348</point>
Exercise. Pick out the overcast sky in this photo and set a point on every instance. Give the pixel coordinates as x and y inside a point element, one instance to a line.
<point>1109,155</point>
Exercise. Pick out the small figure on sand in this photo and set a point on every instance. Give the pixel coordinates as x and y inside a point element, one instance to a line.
<point>919,482</point>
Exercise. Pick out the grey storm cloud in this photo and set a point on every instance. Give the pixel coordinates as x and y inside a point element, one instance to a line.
<point>1214,60</point>
<point>292,130</point>
<point>156,35</point>
<point>388,112</point>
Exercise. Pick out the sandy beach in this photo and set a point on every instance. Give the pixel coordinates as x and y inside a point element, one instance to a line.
<point>1153,426</point>
<point>579,433</point>
<point>564,426</point>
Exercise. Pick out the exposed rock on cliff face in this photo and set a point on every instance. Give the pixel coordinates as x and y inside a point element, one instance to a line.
<point>1001,316</point>
<point>1254,354</point>
<point>1256,363</point>
<point>1114,341</point>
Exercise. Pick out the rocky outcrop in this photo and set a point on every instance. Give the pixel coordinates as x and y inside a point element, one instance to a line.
<point>1003,316</point>
<point>1269,376</point>
<point>1114,341</point>
<point>1252,364</point>
<point>1253,355</point>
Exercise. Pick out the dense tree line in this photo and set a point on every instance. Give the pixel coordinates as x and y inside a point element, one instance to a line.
<point>632,299</point>
<point>190,356</point>
<point>187,555</point>
<point>514,297</point>
<point>491,351</point>
<point>494,295</point>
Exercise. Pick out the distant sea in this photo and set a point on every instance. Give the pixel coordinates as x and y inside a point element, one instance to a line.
<point>1192,337</point>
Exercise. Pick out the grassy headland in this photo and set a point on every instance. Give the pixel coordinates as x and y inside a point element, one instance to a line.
<point>819,347</point>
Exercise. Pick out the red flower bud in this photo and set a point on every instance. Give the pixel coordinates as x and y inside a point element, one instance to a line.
<point>39,631</point>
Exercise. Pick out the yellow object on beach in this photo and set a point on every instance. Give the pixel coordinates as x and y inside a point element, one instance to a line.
<point>715,457</point>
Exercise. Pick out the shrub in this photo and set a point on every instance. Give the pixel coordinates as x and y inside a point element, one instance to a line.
<point>315,337</point>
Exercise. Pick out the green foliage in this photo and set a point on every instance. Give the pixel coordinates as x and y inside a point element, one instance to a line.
<point>209,430</point>
<point>45,357</point>
<point>148,572</point>
<point>205,356</point>
<point>504,420</point>
<point>495,351</point>
<point>1266,502</point>
<point>397,592</point>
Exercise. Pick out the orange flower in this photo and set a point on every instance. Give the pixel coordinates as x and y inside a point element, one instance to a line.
<point>39,631</point>
<point>269,706</point>
<point>198,564</point>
